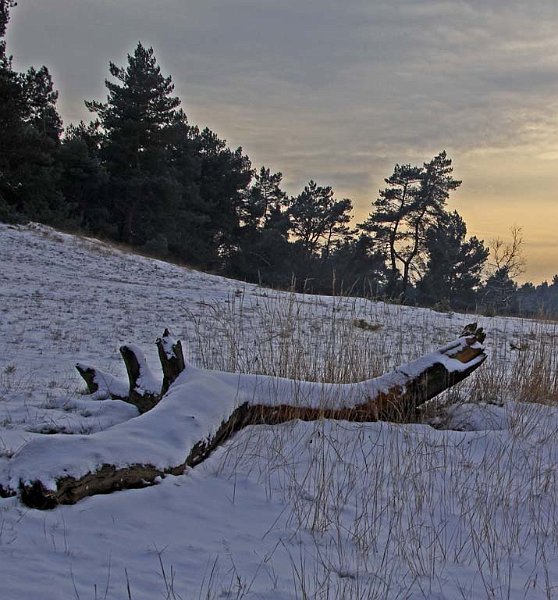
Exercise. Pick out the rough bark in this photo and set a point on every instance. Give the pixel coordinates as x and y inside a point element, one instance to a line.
<point>241,400</point>
<point>142,393</point>
<point>89,375</point>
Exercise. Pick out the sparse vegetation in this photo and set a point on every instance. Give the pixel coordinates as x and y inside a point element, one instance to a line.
<point>460,503</point>
<point>363,324</point>
<point>364,510</point>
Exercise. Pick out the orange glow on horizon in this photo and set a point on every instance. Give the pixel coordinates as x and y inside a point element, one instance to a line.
<point>500,190</point>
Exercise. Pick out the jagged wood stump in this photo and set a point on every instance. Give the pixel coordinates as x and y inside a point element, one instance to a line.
<point>195,410</point>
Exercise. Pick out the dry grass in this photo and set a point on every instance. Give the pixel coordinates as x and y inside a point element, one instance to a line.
<point>523,368</point>
<point>307,338</point>
<point>347,340</point>
<point>428,508</point>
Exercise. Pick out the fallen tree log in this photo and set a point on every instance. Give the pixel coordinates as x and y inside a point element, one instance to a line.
<point>196,410</point>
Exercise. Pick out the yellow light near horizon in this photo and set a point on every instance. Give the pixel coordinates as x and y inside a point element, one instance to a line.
<point>506,188</point>
<point>502,189</point>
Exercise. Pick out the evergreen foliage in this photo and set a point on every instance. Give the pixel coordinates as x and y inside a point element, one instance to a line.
<point>224,178</point>
<point>499,292</point>
<point>264,253</point>
<point>265,203</point>
<point>454,265</point>
<point>30,129</point>
<point>319,222</point>
<point>538,301</point>
<point>135,122</point>
<point>12,111</point>
<point>412,203</point>
<point>83,179</point>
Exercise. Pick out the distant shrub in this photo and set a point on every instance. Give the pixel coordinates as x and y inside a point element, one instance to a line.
<point>363,324</point>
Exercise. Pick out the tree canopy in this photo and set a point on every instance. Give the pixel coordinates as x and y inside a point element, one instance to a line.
<point>30,130</point>
<point>412,202</point>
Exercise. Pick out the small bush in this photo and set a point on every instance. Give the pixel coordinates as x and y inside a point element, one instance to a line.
<point>363,324</point>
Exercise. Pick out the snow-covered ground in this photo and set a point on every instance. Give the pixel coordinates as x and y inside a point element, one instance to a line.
<point>301,510</point>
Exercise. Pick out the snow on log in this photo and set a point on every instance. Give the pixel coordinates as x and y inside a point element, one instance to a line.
<point>203,408</point>
<point>102,385</point>
<point>143,389</point>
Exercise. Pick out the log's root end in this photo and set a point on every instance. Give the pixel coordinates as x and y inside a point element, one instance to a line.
<point>106,480</point>
<point>36,495</point>
<point>473,333</point>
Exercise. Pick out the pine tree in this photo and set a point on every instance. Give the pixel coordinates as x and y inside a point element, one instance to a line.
<point>5,6</point>
<point>11,119</point>
<point>318,220</point>
<point>185,218</point>
<point>137,122</point>
<point>40,100</point>
<point>355,267</point>
<point>38,167</point>
<point>264,254</point>
<point>412,203</point>
<point>83,178</point>
<point>225,175</point>
<point>30,130</point>
<point>499,292</point>
<point>265,202</point>
<point>454,265</point>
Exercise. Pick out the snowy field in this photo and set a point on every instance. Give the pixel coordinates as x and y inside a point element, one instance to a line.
<point>465,509</point>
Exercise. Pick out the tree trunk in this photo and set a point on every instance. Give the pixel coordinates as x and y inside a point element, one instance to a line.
<point>198,410</point>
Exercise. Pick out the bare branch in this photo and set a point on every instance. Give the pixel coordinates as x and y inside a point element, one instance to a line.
<point>507,256</point>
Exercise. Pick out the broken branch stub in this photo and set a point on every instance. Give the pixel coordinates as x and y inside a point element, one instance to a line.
<point>203,409</point>
<point>172,359</point>
<point>102,385</point>
<point>89,375</point>
<point>144,387</point>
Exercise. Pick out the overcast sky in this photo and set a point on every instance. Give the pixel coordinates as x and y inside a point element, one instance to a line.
<point>339,91</point>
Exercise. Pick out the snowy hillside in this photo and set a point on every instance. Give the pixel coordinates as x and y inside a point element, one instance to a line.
<point>300,510</point>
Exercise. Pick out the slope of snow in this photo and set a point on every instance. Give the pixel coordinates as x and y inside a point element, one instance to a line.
<point>316,510</point>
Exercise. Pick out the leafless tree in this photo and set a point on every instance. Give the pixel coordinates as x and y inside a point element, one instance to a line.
<point>508,256</point>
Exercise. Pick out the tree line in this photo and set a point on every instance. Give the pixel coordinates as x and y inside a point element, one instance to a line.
<point>140,174</point>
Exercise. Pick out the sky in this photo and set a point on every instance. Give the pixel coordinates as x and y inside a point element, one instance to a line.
<point>340,91</point>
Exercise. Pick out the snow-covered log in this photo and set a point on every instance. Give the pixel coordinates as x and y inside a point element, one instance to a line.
<point>202,408</point>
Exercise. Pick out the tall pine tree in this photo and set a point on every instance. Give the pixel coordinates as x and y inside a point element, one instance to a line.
<point>30,130</point>
<point>137,122</point>
<point>12,108</point>
<point>412,203</point>
<point>225,175</point>
<point>319,222</point>
<point>83,178</point>
<point>265,201</point>
<point>264,253</point>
